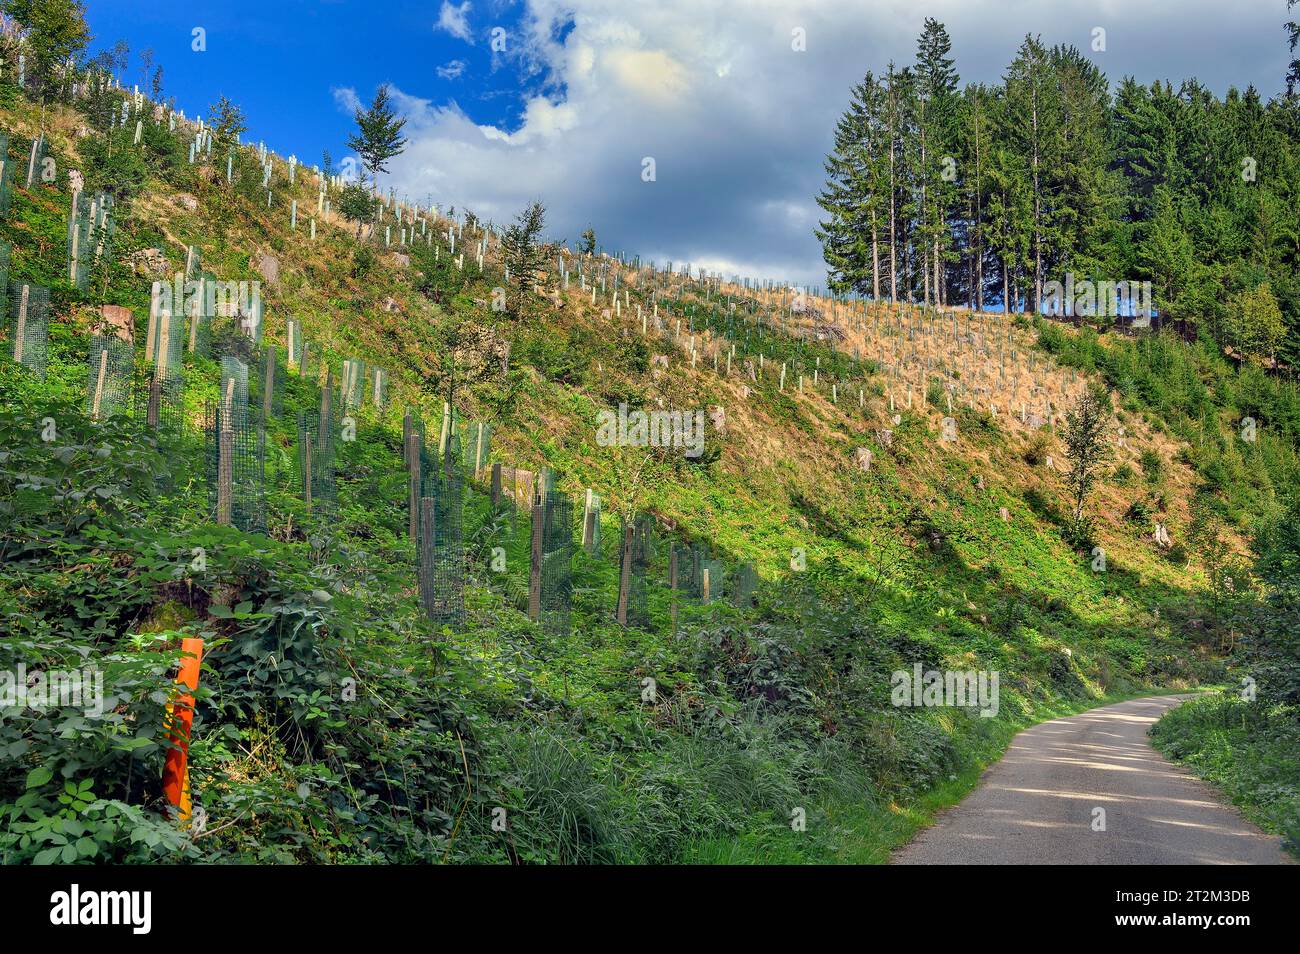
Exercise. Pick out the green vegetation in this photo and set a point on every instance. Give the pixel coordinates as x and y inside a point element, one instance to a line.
<point>336,723</point>
<point>985,194</point>
<point>1247,750</point>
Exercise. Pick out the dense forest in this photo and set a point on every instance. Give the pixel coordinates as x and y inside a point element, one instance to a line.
<point>982,194</point>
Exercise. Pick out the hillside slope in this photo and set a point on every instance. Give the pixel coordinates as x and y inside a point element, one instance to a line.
<point>337,722</point>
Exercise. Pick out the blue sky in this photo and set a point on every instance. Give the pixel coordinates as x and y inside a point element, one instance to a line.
<point>584,91</point>
<point>281,59</point>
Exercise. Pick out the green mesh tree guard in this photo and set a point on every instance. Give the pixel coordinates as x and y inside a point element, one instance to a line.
<point>236,465</point>
<point>308,362</point>
<point>690,577</point>
<point>293,339</point>
<point>35,159</point>
<point>109,373</point>
<point>591,523</point>
<point>27,331</point>
<point>638,608</point>
<point>478,440</point>
<point>160,401</point>
<point>744,584</point>
<point>644,541</point>
<point>4,273</point>
<point>197,322</point>
<point>440,543</point>
<point>79,246</point>
<point>354,375</point>
<point>193,263</point>
<point>99,235</point>
<point>249,309</point>
<point>165,336</point>
<point>557,558</point>
<point>379,388</point>
<point>269,381</point>
<point>717,571</point>
<point>317,446</point>
<point>234,387</point>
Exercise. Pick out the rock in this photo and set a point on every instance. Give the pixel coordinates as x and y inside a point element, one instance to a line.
<point>660,360</point>
<point>390,304</point>
<point>120,319</point>
<point>885,436</point>
<point>1004,514</point>
<point>187,201</point>
<point>718,418</point>
<point>148,261</point>
<point>863,457</point>
<point>401,259</point>
<point>268,266</point>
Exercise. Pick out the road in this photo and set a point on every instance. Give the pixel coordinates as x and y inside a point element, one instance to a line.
<point>1037,804</point>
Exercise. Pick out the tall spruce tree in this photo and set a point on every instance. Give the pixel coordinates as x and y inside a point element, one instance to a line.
<point>379,134</point>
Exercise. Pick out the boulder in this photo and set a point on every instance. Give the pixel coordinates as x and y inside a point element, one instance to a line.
<point>268,266</point>
<point>120,320</point>
<point>150,262</point>
<point>862,457</point>
<point>187,201</point>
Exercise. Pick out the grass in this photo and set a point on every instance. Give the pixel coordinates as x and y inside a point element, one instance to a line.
<point>1249,751</point>
<point>761,711</point>
<point>867,832</point>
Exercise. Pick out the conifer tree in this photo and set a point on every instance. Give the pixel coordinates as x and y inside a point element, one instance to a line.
<point>379,135</point>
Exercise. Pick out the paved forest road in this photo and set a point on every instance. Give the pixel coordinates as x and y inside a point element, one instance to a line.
<point>1035,806</point>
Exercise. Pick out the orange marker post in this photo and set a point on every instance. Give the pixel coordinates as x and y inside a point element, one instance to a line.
<point>180,716</point>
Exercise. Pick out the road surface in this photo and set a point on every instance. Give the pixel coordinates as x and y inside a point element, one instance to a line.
<point>1037,805</point>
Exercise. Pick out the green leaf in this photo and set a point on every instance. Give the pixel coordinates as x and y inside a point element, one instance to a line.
<point>38,777</point>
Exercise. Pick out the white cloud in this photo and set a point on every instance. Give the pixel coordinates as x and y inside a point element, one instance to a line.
<point>455,20</point>
<point>737,122</point>
<point>346,99</point>
<point>452,70</point>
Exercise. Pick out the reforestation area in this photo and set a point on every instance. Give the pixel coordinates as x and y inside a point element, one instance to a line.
<point>340,528</point>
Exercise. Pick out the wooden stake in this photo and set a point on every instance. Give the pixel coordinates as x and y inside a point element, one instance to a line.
<point>20,332</point>
<point>306,469</point>
<point>672,585</point>
<point>535,562</point>
<point>268,389</point>
<point>413,469</point>
<point>99,383</point>
<point>624,575</point>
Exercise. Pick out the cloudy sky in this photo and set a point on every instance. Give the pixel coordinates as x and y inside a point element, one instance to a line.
<point>565,100</point>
